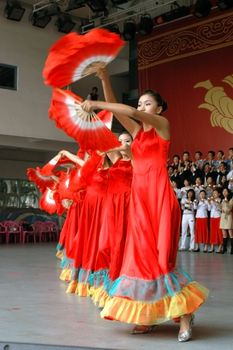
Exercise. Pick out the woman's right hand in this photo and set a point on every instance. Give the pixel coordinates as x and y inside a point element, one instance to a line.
<point>102,73</point>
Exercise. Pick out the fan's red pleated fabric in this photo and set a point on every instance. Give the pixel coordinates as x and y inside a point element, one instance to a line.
<point>49,168</point>
<point>42,182</point>
<point>47,202</point>
<point>92,134</point>
<point>71,55</point>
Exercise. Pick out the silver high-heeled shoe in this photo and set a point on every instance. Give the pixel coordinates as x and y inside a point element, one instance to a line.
<point>186,335</point>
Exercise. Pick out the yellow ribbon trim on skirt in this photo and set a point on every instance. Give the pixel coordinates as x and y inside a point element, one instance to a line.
<point>184,302</point>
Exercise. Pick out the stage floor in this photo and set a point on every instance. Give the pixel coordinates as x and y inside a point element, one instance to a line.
<point>35,308</point>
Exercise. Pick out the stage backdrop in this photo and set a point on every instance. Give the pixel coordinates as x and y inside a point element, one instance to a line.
<point>191,64</point>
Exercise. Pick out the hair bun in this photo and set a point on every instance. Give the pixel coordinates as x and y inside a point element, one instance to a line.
<point>158,98</point>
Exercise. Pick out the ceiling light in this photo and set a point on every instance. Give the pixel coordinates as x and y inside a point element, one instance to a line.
<point>178,12</point>
<point>64,23</point>
<point>97,5</point>
<point>113,28</point>
<point>75,4</point>
<point>202,8</point>
<point>41,18</point>
<point>118,2</point>
<point>224,4</point>
<point>129,30</point>
<point>146,25</point>
<point>13,10</point>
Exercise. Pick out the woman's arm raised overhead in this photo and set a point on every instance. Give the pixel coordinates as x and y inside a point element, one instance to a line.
<point>130,125</point>
<point>72,157</point>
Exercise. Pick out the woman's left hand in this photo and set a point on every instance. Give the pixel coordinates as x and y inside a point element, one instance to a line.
<point>88,106</point>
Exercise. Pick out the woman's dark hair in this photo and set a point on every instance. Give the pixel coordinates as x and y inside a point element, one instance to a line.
<point>199,152</point>
<point>202,191</point>
<point>176,155</point>
<point>229,193</point>
<point>211,152</point>
<point>158,98</point>
<point>193,193</point>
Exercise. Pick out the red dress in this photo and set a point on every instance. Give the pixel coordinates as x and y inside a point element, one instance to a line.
<point>87,238</point>
<point>113,231</point>
<point>68,188</point>
<point>150,290</point>
<point>201,231</point>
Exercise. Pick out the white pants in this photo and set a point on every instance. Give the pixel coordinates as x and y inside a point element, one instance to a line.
<point>187,221</point>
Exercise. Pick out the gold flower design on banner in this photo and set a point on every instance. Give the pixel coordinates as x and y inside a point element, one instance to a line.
<point>218,103</point>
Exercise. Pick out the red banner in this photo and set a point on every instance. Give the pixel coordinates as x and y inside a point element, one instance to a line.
<point>191,65</point>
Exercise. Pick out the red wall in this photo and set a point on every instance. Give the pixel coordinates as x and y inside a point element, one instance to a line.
<point>173,60</point>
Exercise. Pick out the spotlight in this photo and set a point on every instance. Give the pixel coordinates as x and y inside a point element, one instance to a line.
<point>75,4</point>
<point>64,23</point>
<point>129,30</point>
<point>224,4</point>
<point>202,8</point>
<point>113,28</point>
<point>118,2</point>
<point>42,17</point>
<point>178,12</point>
<point>13,10</point>
<point>97,5</point>
<point>146,25</point>
<point>38,21</point>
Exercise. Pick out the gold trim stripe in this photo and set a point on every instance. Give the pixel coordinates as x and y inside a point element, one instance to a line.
<point>194,53</point>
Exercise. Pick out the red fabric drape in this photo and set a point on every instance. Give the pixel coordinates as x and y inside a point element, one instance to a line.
<point>177,58</point>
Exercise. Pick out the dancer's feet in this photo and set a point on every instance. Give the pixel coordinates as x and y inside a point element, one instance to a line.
<point>186,323</point>
<point>140,329</point>
<point>219,251</point>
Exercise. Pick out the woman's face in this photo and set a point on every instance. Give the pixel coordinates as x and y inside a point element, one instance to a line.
<point>148,104</point>
<point>225,192</point>
<point>215,194</point>
<point>202,195</point>
<point>223,180</point>
<point>125,139</point>
<point>190,195</point>
<point>209,181</point>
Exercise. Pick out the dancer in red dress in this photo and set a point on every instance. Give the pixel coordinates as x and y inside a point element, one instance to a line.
<point>68,194</point>
<point>74,191</point>
<point>150,289</point>
<point>90,221</point>
<point>114,227</point>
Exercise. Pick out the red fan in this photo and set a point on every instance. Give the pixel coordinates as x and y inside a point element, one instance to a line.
<point>47,202</point>
<point>106,117</point>
<point>49,168</point>
<point>86,128</point>
<point>75,56</point>
<point>42,182</point>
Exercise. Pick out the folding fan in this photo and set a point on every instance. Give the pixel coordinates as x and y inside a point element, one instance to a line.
<point>47,202</point>
<point>49,168</point>
<point>88,129</point>
<point>75,56</point>
<point>41,181</point>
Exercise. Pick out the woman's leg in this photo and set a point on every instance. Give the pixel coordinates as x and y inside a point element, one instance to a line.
<point>184,231</point>
<point>192,233</point>
<point>185,332</point>
<point>224,234</point>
